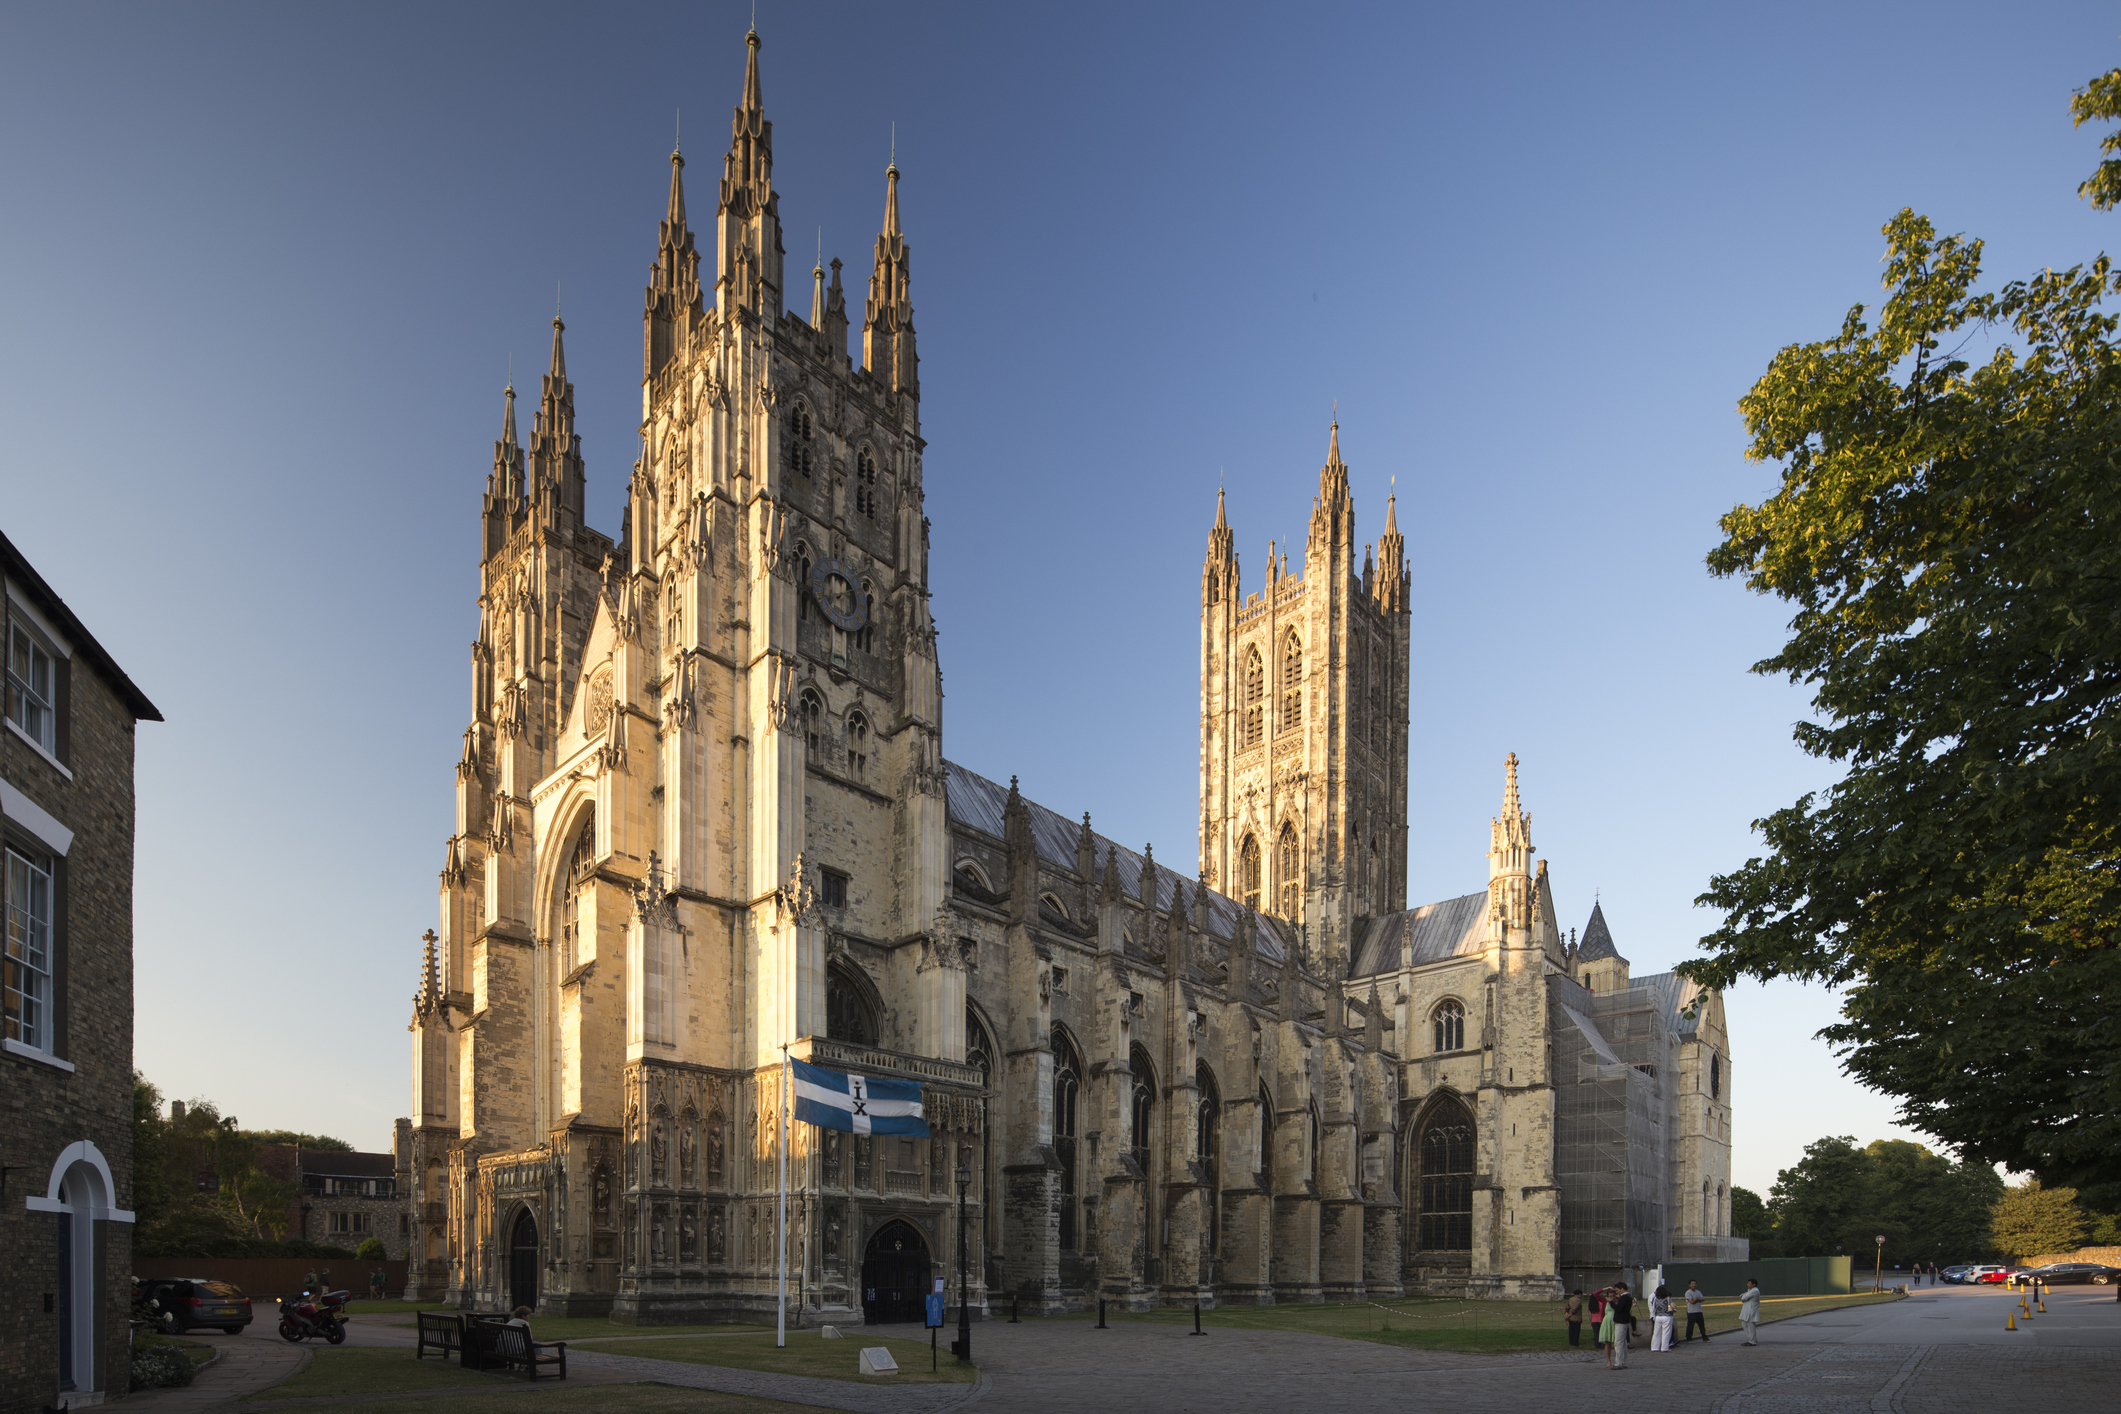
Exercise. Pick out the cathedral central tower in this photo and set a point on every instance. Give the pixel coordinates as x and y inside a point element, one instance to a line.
<point>1303,725</point>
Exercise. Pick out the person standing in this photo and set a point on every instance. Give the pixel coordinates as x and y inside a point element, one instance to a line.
<point>1661,1319</point>
<point>375,1284</point>
<point>1749,1311</point>
<point>1572,1312</point>
<point>1605,1327</point>
<point>1623,1309</point>
<point>309,1283</point>
<point>1696,1318</point>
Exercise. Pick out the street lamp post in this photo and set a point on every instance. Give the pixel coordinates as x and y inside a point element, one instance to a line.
<point>962,1347</point>
<point>1878,1271</point>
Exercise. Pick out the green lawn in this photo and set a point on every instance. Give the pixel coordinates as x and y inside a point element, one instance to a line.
<point>350,1369</point>
<point>807,1353</point>
<point>365,1307</point>
<point>1439,1323</point>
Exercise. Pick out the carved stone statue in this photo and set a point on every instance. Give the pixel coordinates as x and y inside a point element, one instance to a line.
<point>685,1155</point>
<point>658,1153</point>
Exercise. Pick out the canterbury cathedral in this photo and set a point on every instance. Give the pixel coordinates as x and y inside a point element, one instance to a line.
<point>705,819</point>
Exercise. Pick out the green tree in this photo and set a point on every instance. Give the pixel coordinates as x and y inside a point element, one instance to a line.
<point>1821,1203</point>
<point>153,1190</point>
<point>2030,1220</point>
<point>372,1250</point>
<point>301,1140</point>
<point>1750,1220</point>
<point>1945,534</point>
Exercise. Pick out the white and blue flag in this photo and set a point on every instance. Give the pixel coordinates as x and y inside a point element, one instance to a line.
<point>858,1104</point>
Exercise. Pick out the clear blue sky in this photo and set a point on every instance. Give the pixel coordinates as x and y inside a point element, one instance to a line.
<point>263,268</point>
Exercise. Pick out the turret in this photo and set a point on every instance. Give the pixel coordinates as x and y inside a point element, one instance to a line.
<point>1509,863</point>
<point>747,219</point>
<point>1599,965</point>
<point>504,484</point>
<point>887,323</point>
<point>1219,582</point>
<point>556,481</point>
<point>673,297</point>
<point>1333,513</point>
<point>1389,585</point>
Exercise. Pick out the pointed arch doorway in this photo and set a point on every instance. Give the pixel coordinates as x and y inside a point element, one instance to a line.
<point>523,1261</point>
<point>895,1274</point>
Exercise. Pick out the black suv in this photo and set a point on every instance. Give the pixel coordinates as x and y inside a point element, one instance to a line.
<point>174,1305</point>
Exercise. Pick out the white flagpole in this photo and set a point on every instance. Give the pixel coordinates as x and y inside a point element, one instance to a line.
<point>780,1335</point>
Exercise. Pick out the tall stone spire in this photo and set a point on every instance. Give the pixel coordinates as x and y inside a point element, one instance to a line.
<point>673,297</point>
<point>887,324</point>
<point>1510,860</point>
<point>504,484</point>
<point>1333,514</point>
<point>556,481</point>
<point>747,218</point>
<point>1219,582</point>
<point>1390,584</point>
<point>817,297</point>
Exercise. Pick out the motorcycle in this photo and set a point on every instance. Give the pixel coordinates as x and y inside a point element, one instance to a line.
<point>325,1316</point>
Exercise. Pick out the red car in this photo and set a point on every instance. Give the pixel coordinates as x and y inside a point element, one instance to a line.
<point>1989,1276</point>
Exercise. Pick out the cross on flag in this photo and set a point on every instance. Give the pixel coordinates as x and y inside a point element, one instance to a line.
<point>858,1104</point>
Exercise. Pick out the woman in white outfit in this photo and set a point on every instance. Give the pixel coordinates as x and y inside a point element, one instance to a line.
<point>1661,1319</point>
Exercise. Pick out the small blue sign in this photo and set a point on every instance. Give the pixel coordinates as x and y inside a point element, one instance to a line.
<point>935,1308</point>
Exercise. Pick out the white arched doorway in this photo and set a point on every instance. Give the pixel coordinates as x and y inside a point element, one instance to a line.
<point>78,1195</point>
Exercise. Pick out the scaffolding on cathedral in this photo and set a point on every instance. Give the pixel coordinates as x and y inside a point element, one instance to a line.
<point>1613,1054</point>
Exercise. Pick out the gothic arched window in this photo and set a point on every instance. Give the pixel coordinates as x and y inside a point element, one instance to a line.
<point>1715,1076</point>
<point>579,864</point>
<point>865,483</point>
<point>796,441</point>
<point>1448,1025</point>
<point>1248,871</point>
<point>1443,1166</point>
<point>857,744</point>
<point>1288,872</point>
<point>1255,697</point>
<point>1292,682</point>
<point>1067,1087</point>
<point>813,708</point>
<point>1142,1139</point>
<point>979,1047</point>
<point>1208,1143</point>
<point>848,1016</point>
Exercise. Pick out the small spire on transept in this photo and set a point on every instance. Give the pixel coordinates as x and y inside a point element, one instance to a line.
<point>676,213</point>
<point>508,417</point>
<point>559,350</point>
<point>887,322</point>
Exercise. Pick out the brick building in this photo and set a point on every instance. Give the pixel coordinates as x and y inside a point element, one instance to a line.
<point>348,1198</point>
<point>66,814</point>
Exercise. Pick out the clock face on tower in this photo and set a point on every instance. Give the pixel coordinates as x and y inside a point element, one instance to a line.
<point>835,589</point>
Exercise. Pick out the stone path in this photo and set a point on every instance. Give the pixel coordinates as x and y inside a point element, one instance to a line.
<point>794,1389</point>
<point>1939,1352</point>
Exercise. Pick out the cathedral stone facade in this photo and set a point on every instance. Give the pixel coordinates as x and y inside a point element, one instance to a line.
<point>704,819</point>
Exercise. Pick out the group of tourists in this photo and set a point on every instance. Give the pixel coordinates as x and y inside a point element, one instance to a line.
<point>1612,1310</point>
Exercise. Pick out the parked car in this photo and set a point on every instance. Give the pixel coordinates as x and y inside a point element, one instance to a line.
<point>1955,1274</point>
<point>2075,1274</point>
<point>179,1304</point>
<point>1988,1276</point>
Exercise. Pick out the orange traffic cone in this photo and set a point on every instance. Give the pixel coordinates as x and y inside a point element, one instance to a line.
<point>2010,1320</point>
<point>2042,1304</point>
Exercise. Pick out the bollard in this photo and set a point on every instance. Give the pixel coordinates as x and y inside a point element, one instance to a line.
<point>1101,1313</point>
<point>1196,1318</point>
<point>1014,1298</point>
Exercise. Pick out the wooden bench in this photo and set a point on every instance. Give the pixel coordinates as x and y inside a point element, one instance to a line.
<point>498,1345</point>
<point>442,1330</point>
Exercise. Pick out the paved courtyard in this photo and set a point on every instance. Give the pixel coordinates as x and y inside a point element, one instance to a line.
<point>1942,1351</point>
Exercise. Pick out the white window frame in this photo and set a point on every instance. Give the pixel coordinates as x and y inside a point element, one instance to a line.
<point>26,705</point>
<point>29,1019</point>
